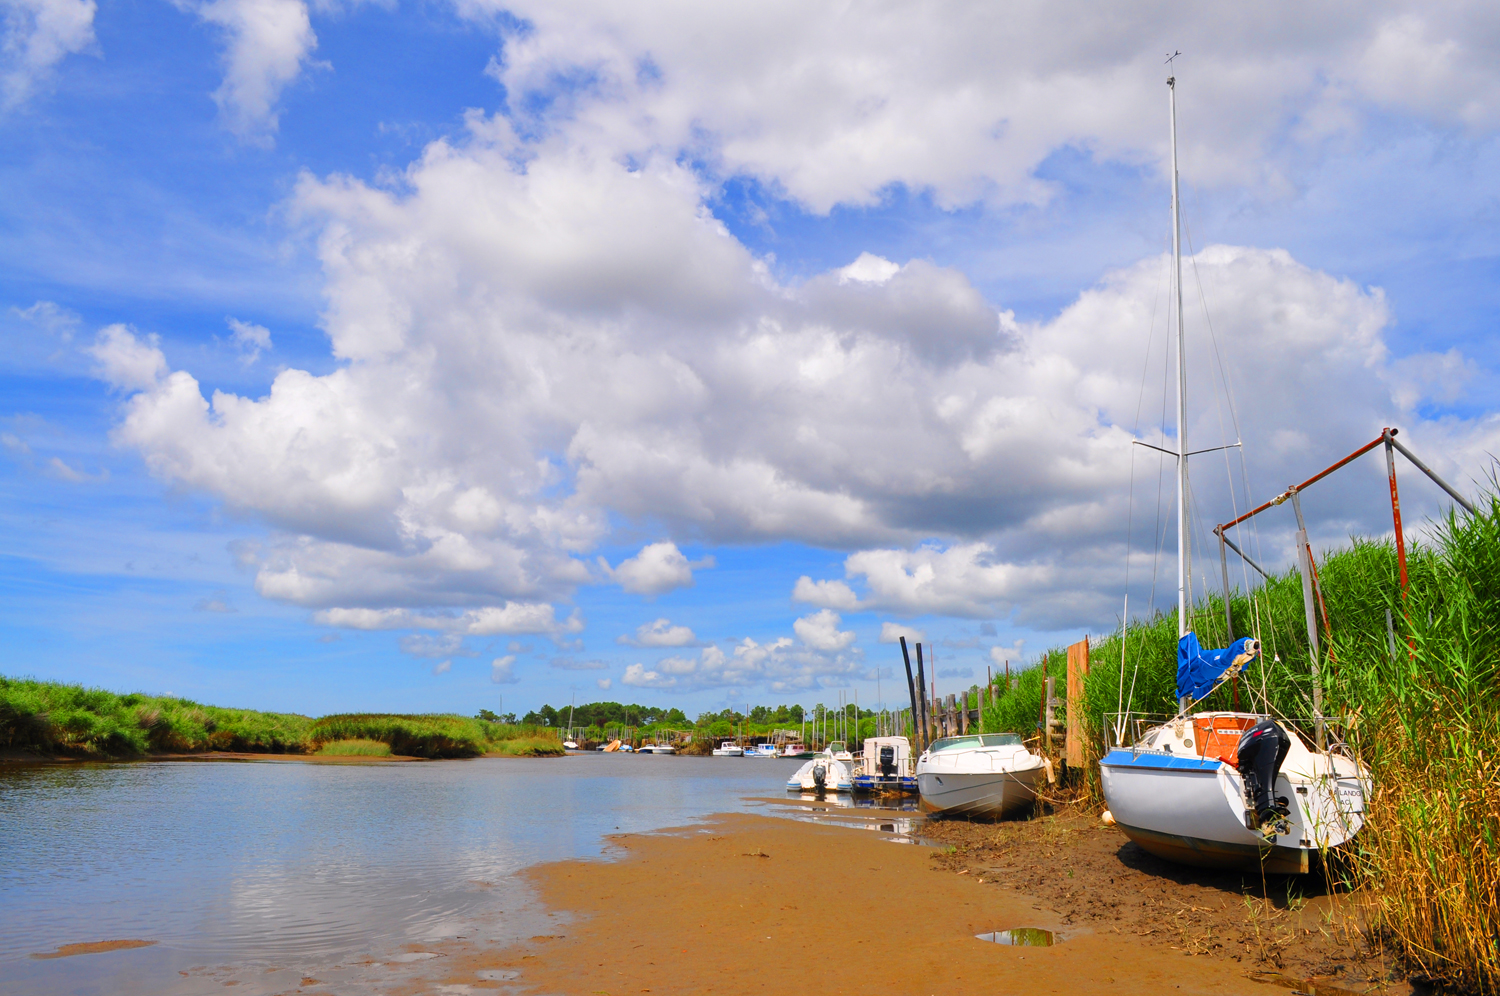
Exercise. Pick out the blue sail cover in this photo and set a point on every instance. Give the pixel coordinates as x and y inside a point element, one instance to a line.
<point>1198,669</point>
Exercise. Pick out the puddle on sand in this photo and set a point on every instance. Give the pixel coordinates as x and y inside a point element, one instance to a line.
<point>1305,987</point>
<point>1021,937</point>
<point>497,974</point>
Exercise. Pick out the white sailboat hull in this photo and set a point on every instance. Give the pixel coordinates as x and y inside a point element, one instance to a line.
<point>1192,810</point>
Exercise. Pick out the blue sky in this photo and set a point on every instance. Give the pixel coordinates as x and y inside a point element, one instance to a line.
<point>582,318</point>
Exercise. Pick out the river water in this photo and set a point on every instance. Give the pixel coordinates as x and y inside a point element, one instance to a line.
<point>256,874</point>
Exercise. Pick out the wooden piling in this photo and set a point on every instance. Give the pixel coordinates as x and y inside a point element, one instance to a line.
<point>1078,669</point>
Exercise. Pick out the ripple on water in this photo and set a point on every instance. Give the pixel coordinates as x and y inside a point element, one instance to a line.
<point>313,865</point>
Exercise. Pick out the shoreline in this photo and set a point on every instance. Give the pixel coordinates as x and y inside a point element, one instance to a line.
<point>750,904</point>
<point>22,759</point>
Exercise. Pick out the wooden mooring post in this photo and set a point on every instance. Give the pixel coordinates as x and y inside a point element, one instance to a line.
<point>1078,669</point>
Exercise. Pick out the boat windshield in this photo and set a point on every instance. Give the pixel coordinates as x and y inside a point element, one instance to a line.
<point>978,740</point>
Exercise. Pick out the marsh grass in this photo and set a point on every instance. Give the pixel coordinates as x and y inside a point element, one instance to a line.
<point>539,745</point>
<point>355,748</point>
<point>49,718</point>
<point>1424,719</point>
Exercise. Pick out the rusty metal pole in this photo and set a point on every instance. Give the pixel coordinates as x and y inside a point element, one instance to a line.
<point>1234,683</point>
<point>1304,563</point>
<point>1390,467</point>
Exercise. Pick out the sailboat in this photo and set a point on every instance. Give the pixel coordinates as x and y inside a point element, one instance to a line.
<point>1177,792</point>
<point>570,743</point>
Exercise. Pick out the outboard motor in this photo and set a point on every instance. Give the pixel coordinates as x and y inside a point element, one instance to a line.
<point>820,774</point>
<point>1261,750</point>
<point>887,761</point>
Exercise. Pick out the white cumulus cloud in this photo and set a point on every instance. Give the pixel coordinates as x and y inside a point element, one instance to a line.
<point>502,670</point>
<point>893,632</point>
<point>660,633</point>
<point>251,339</point>
<point>656,570</point>
<point>820,631</point>
<point>266,45</point>
<point>825,594</point>
<point>35,35</point>
<point>537,339</point>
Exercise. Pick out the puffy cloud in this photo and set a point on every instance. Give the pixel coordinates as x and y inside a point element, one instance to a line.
<point>36,35</point>
<point>821,631</point>
<point>968,99</point>
<point>961,580</point>
<point>826,594</point>
<point>251,339</point>
<point>604,684</point>
<point>267,42</point>
<point>893,632</point>
<point>660,633</point>
<point>502,670</point>
<point>537,339</point>
<point>656,570</point>
<point>782,665</point>
<point>127,362</point>
<point>1013,655</point>
<point>442,668</point>
<point>636,675</point>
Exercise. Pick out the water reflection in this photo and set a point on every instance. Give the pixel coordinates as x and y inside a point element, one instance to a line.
<point>320,865</point>
<point>1022,937</point>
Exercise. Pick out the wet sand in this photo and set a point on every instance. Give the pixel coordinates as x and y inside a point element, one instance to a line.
<point>754,904</point>
<point>91,947</point>
<point>1294,927</point>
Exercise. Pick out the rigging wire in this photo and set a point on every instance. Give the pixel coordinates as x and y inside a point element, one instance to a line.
<point>1130,519</point>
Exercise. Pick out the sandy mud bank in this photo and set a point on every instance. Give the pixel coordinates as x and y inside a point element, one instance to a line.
<point>752,904</point>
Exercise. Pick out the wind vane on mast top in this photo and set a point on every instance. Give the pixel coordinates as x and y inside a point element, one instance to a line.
<point>1171,80</point>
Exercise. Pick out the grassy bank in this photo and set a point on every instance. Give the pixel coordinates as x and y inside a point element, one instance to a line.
<point>48,718</point>
<point>1425,718</point>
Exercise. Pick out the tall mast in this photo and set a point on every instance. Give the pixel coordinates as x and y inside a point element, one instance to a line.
<point>1184,552</point>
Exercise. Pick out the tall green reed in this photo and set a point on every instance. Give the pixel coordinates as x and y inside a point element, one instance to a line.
<point>1418,698</point>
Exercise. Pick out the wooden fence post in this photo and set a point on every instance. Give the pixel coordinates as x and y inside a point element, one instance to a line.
<point>1078,669</point>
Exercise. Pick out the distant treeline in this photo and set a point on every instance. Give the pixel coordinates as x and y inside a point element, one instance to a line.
<point>606,714</point>
<point>45,717</point>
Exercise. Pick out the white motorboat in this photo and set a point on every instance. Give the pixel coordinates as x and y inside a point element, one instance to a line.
<point>729,749</point>
<point>657,748</point>
<point>982,774</point>
<point>840,751</point>
<point>569,745</point>
<point>885,766</point>
<point>762,750</point>
<point>824,773</point>
<point>1177,791</point>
